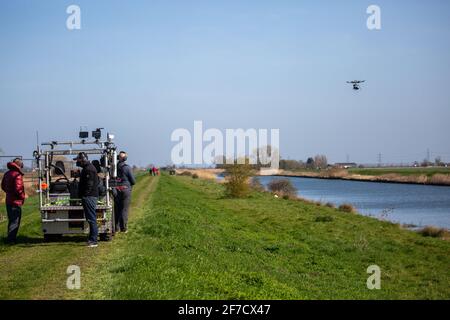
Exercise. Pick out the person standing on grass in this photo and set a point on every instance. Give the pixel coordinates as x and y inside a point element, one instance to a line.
<point>88,192</point>
<point>122,198</point>
<point>12,184</point>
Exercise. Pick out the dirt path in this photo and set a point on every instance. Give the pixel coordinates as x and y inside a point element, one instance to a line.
<point>91,281</point>
<point>37,270</point>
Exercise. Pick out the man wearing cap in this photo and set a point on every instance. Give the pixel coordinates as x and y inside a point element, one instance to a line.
<point>12,184</point>
<point>88,192</point>
<point>122,198</point>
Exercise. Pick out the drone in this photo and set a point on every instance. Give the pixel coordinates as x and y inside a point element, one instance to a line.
<point>356,83</point>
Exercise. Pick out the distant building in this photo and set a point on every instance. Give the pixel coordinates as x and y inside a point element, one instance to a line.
<point>345,165</point>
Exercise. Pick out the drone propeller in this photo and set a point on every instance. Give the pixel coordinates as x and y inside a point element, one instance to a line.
<point>356,81</point>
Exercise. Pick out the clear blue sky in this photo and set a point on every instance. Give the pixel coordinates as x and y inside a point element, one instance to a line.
<point>145,68</point>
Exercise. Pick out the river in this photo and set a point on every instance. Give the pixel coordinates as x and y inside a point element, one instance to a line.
<point>419,205</point>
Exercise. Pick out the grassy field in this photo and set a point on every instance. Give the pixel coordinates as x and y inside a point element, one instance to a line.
<point>400,171</point>
<point>188,242</point>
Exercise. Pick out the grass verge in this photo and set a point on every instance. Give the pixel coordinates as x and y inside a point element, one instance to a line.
<point>33,269</point>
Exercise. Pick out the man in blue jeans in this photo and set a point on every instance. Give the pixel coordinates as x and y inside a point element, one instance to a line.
<point>88,192</point>
<point>12,184</point>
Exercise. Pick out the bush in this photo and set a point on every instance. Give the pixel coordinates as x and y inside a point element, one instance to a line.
<point>195,176</point>
<point>330,205</point>
<point>282,187</point>
<point>186,173</point>
<point>346,208</point>
<point>434,232</point>
<point>237,176</point>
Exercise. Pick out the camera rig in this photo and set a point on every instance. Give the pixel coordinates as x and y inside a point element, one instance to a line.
<point>59,203</point>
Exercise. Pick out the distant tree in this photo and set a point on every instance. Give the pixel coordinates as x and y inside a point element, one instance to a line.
<point>291,164</point>
<point>320,161</point>
<point>438,162</point>
<point>264,155</point>
<point>425,163</point>
<point>310,163</point>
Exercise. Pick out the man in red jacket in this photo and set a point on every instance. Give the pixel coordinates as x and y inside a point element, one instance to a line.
<point>12,184</point>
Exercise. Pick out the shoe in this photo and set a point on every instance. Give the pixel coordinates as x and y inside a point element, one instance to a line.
<point>92,244</point>
<point>125,231</point>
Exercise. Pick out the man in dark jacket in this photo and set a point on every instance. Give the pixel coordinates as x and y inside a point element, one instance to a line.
<point>122,199</point>
<point>12,184</point>
<point>88,192</point>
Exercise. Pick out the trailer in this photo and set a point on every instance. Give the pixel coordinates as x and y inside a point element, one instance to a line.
<point>58,177</point>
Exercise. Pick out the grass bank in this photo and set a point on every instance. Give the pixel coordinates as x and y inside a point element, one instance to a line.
<point>418,171</point>
<point>188,242</point>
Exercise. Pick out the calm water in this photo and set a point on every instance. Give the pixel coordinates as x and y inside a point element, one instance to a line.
<point>412,204</point>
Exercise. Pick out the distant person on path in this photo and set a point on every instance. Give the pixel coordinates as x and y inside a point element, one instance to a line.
<point>12,184</point>
<point>122,198</point>
<point>88,192</point>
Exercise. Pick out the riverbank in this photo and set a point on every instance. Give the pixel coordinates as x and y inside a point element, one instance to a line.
<point>401,202</point>
<point>406,204</point>
<point>421,176</point>
<point>370,175</point>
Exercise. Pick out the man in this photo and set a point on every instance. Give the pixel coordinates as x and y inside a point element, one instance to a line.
<point>88,192</point>
<point>126,181</point>
<point>12,184</point>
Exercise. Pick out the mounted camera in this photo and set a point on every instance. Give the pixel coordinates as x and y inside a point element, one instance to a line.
<point>97,134</point>
<point>84,134</point>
